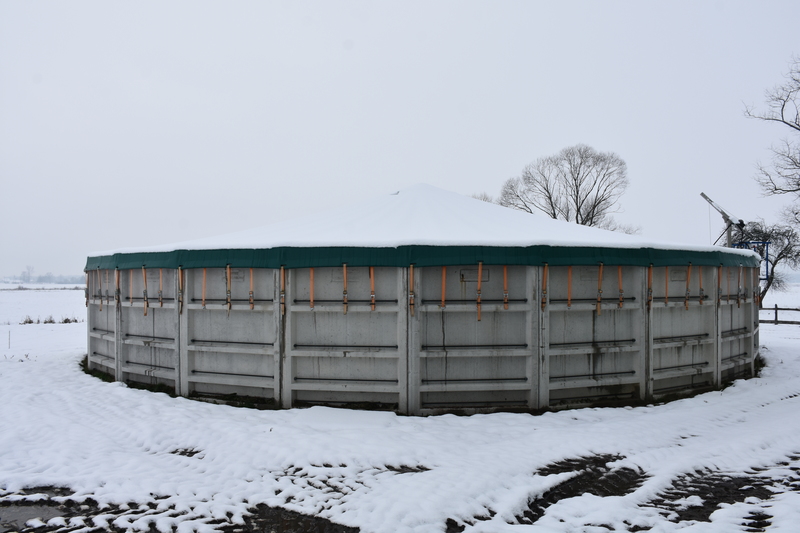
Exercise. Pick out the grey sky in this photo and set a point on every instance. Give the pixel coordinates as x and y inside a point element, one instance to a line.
<point>136,123</point>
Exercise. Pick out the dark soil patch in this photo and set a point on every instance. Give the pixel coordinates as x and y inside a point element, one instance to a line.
<point>714,489</point>
<point>276,520</point>
<point>263,519</point>
<point>593,477</point>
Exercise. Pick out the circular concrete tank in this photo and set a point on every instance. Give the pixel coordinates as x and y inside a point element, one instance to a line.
<point>426,302</point>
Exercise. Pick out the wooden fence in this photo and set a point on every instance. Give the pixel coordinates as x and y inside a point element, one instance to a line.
<point>765,311</point>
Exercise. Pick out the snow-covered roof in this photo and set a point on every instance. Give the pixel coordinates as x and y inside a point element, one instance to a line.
<point>421,225</point>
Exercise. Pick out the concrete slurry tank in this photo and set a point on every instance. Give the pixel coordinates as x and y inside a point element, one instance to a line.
<point>425,301</point>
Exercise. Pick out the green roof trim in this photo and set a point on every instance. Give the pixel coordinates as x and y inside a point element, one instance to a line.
<point>421,256</point>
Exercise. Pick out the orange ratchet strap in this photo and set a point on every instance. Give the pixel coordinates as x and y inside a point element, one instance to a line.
<point>204,288</point>
<point>480,279</point>
<point>180,290</point>
<point>444,284</point>
<point>144,290</point>
<point>700,281</point>
<point>739,288</point>
<point>544,286</point>
<point>311,287</point>
<point>756,287</point>
<point>569,286</point>
<point>283,291</point>
<point>100,288</point>
<point>344,292</point>
<point>728,272</point>
<point>599,289</point>
<point>505,286</point>
<point>411,289</point>
<point>228,288</point>
<point>372,288</point>
<point>688,281</point>
<point>250,294</point>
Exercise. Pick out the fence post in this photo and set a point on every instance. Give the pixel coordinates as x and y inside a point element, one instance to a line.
<point>776,313</point>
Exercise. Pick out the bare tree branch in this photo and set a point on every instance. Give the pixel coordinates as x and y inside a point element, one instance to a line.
<point>783,107</point>
<point>579,184</point>
<point>784,249</point>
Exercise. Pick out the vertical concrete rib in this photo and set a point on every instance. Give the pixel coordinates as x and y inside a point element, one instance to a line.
<point>413,336</point>
<point>286,371</point>
<point>183,329</point>
<point>278,323</point>
<point>406,385</point>
<point>647,346</point>
<point>532,337</point>
<point>544,338</point>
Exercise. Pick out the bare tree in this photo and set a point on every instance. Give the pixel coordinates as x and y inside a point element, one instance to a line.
<point>783,107</point>
<point>579,184</point>
<point>784,249</point>
<point>484,197</point>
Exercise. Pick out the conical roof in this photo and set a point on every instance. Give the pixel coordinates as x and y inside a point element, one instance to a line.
<point>421,225</point>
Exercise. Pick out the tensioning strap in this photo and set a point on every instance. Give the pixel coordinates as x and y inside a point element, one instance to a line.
<point>505,286</point>
<point>228,288</point>
<point>619,283</point>
<point>311,287</point>
<point>204,289</point>
<point>250,294</point>
<point>100,288</point>
<point>739,288</point>
<point>700,281</point>
<point>599,289</point>
<point>344,288</point>
<point>161,287</point>
<point>180,290</point>
<point>283,291</point>
<point>144,290</point>
<point>117,291</point>
<point>480,279</point>
<point>569,286</point>
<point>444,285</point>
<point>544,286</point>
<point>411,289</point>
<point>372,288</point>
<point>688,281</point>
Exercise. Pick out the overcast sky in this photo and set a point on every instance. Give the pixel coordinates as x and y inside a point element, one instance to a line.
<point>137,123</point>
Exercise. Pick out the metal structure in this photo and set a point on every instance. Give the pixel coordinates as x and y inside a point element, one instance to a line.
<point>730,220</point>
<point>519,328</point>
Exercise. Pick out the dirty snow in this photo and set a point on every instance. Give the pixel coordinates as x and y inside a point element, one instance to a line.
<point>373,470</point>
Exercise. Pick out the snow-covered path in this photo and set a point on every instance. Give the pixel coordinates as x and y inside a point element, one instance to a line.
<point>378,471</point>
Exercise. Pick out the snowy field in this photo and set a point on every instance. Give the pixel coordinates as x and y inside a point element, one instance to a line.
<point>39,301</point>
<point>180,465</point>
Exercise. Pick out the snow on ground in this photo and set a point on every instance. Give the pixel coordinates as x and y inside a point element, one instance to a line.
<point>39,301</point>
<point>787,299</point>
<point>197,462</point>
